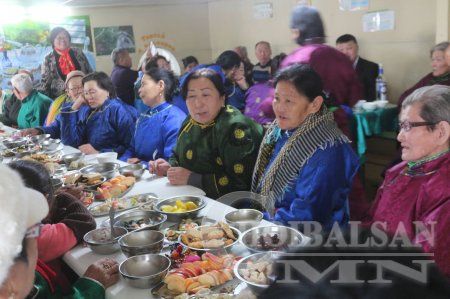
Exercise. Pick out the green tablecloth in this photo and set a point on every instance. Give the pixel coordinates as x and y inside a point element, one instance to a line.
<point>373,123</point>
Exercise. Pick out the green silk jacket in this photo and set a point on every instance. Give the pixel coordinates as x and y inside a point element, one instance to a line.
<point>223,152</point>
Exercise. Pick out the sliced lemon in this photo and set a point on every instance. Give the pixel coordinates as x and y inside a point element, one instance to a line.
<point>191,205</point>
<point>180,204</point>
<point>167,208</point>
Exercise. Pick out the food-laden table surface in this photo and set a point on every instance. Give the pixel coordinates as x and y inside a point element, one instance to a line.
<point>80,257</point>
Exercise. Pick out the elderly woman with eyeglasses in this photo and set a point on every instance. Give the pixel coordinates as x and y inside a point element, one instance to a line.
<point>98,121</point>
<point>415,197</point>
<point>52,124</point>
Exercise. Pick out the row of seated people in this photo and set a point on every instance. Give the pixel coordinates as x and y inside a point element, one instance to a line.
<point>303,164</point>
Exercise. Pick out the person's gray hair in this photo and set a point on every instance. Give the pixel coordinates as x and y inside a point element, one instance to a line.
<point>22,82</point>
<point>439,47</point>
<point>117,53</point>
<point>434,101</point>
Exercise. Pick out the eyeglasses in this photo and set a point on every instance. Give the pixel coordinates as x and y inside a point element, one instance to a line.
<point>34,231</point>
<point>76,88</point>
<point>406,126</point>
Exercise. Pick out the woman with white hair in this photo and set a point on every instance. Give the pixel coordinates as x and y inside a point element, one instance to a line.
<point>35,105</point>
<point>440,72</point>
<point>416,191</point>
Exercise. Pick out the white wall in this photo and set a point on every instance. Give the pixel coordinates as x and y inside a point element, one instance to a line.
<point>207,29</point>
<point>184,27</point>
<point>404,51</point>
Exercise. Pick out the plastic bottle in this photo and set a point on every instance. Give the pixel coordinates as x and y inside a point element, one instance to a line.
<point>381,85</point>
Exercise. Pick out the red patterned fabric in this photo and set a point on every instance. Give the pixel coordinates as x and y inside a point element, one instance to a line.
<point>65,61</point>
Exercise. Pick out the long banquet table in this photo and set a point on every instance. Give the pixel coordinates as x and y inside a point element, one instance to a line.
<point>80,257</point>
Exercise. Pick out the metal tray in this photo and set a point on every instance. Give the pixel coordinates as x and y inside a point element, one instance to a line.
<point>232,287</point>
<point>125,203</point>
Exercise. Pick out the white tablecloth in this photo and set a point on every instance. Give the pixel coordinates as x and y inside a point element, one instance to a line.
<point>80,257</point>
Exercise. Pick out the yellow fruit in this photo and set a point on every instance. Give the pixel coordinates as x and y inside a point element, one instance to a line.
<point>180,204</point>
<point>191,205</point>
<point>167,208</point>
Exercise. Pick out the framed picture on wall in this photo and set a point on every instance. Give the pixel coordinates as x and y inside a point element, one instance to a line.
<point>106,39</point>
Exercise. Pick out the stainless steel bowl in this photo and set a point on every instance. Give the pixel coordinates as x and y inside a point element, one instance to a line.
<point>16,142</point>
<point>136,170</point>
<point>141,242</point>
<point>99,240</point>
<point>236,233</point>
<point>176,217</point>
<point>150,220</point>
<point>244,219</point>
<point>57,183</point>
<point>242,264</point>
<point>145,271</point>
<point>287,238</point>
<point>51,144</point>
<point>23,151</point>
<point>93,187</point>
<point>39,138</point>
<point>69,158</point>
<point>108,170</point>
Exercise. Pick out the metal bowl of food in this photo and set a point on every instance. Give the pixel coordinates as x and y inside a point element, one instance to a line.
<point>70,159</point>
<point>57,183</point>
<point>108,170</point>
<point>99,240</point>
<point>107,157</point>
<point>51,144</point>
<point>173,207</point>
<point>256,271</point>
<point>39,138</point>
<point>141,242</point>
<point>145,271</point>
<point>210,237</point>
<point>272,238</point>
<point>140,220</point>
<point>244,219</point>
<point>93,186</point>
<point>15,142</point>
<point>136,170</point>
<point>24,150</point>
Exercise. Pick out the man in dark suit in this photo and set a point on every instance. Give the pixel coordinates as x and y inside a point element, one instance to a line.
<point>122,76</point>
<point>367,70</point>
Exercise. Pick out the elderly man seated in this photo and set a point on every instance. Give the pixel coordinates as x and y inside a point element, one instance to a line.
<point>35,105</point>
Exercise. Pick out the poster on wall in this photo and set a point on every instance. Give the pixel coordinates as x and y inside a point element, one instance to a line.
<point>109,38</point>
<point>353,5</point>
<point>378,21</point>
<point>24,45</point>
